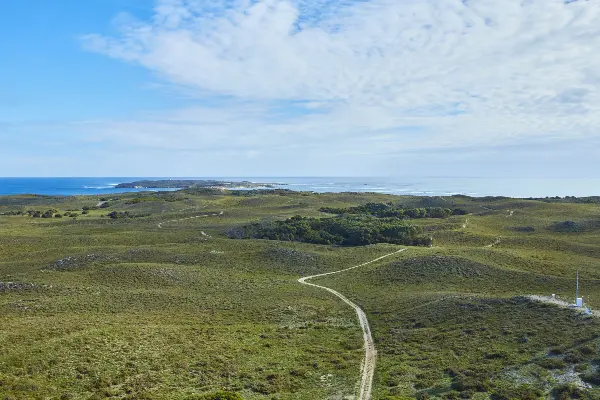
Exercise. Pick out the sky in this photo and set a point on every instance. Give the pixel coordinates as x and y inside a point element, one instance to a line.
<point>494,88</point>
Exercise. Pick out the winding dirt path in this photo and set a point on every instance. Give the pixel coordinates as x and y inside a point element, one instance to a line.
<point>368,364</point>
<point>160,225</point>
<point>496,242</point>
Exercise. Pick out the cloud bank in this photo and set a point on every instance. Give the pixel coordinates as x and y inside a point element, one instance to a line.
<point>376,78</point>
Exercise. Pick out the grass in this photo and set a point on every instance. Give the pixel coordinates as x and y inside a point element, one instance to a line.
<point>105,308</point>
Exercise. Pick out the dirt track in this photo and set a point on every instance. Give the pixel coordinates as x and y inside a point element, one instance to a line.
<point>368,365</point>
<point>561,303</point>
<point>195,216</point>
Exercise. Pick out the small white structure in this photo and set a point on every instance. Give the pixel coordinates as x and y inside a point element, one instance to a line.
<point>579,302</point>
<point>553,295</point>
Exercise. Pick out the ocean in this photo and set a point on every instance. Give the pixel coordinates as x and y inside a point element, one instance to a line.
<point>425,186</point>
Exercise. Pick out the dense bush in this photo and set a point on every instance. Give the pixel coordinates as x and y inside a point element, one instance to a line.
<point>345,231</point>
<point>217,396</point>
<point>389,210</point>
<point>36,213</point>
<point>566,226</point>
<point>490,198</point>
<point>470,384</point>
<point>161,196</point>
<point>569,199</point>
<point>585,225</point>
<point>12,213</point>
<point>124,214</point>
<point>567,391</point>
<point>523,392</point>
<point>48,214</point>
<point>592,377</point>
<point>551,363</point>
<point>526,229</point>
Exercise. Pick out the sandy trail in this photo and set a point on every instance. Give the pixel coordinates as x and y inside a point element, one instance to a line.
<point>368,364</point>
<point>160,225</point>
<point>560,303</point>
<point>496,242</point>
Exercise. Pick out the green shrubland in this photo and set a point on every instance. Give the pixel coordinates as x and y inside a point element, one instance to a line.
<point>94,307</point>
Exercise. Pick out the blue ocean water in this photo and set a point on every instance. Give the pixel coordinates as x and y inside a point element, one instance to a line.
<point>428,186</point>
<point>64,186</point>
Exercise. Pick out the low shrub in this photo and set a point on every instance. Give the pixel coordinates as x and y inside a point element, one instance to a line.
<point>567,391</point>
<point>551,363</point>
<point>523,392</point>
<point>216,396</point>
<point>592,377</point>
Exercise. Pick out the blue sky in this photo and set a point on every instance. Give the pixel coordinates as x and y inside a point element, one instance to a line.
<point>49,77</point>
<point>299,87</point>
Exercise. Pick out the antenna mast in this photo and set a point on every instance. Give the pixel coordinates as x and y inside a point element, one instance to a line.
<point>577,288</point>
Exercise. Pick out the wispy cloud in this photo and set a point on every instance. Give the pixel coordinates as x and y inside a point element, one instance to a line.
<point>371,77</point>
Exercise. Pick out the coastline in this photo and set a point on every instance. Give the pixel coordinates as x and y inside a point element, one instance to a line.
<point>414,186</point>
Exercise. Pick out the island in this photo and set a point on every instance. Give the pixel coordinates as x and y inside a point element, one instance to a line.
<point>191,183</point>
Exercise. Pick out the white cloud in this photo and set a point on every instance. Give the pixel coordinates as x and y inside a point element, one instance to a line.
<point>471,72</point>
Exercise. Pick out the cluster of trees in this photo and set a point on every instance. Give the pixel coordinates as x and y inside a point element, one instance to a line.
<point>51,213</point>
<point>569,199</point>
<point>389,210</point>
<point>41,214</point>
<point>169,197</point>
<point>261,192</point>
<point>124,214</point>
<point>103,205</point>
<point>576,226</point>
<point>246,193</point>
<point>489,199</point>
<point>12,213</point>
<point>204,191</point>
<point>344,231</point>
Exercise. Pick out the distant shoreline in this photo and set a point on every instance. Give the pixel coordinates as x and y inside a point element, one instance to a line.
<point>413,186</point>
<point>192,183</point>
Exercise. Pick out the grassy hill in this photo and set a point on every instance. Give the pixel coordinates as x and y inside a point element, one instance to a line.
<point>161,304</point>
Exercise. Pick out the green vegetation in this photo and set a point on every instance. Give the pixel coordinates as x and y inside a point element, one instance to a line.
<point>570,199</point>
<point>345,231</point>
<point>124,214</point>
<point>388,210</point>
<point>94,307</point>
<point>579,226</point>
<point>219,396</point>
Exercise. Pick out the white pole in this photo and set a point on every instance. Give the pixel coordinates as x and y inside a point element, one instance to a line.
<point>577,288</point>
